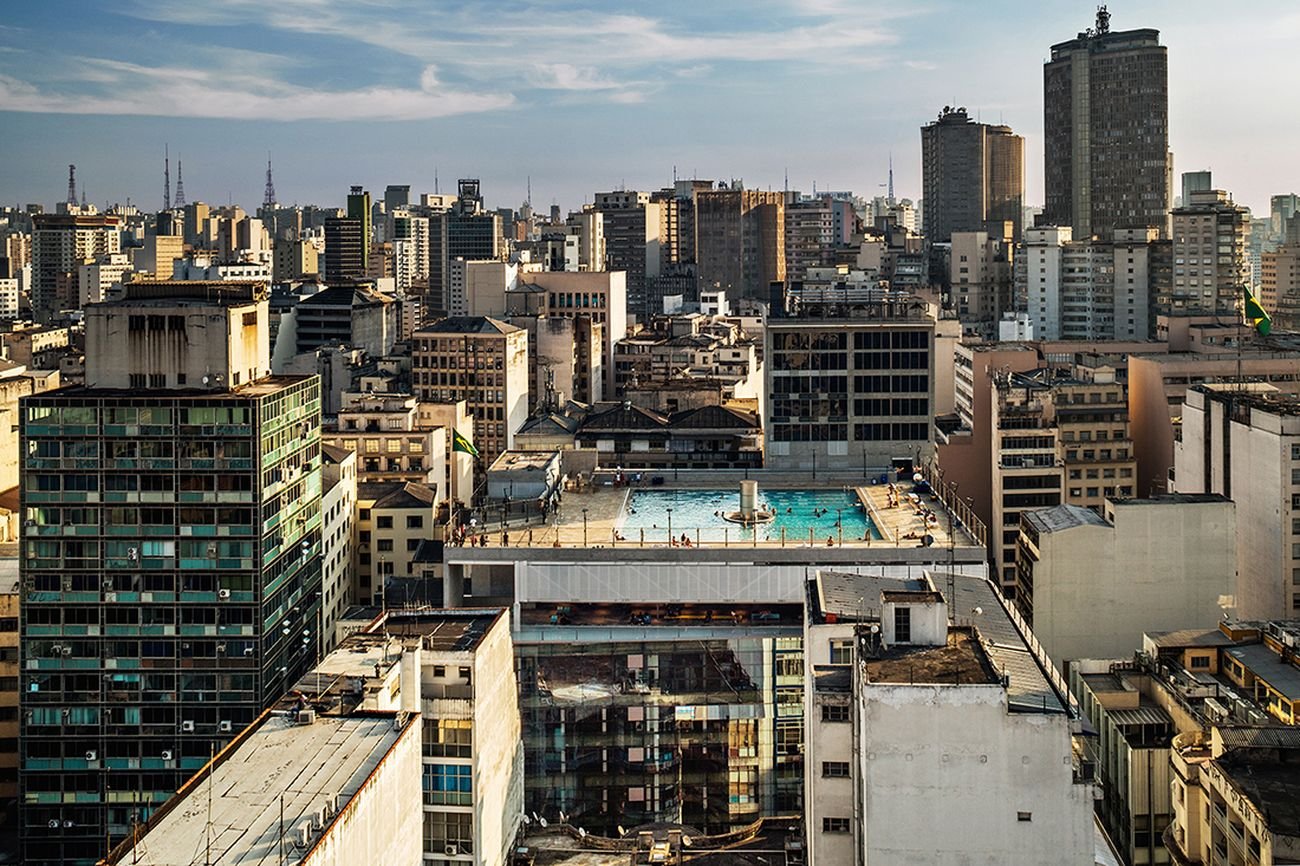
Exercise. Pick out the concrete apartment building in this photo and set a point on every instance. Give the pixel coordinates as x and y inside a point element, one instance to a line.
<point>1091,289</point>
<point>482,361</point>
<point>740,240</point>
<point>61,243</point>
<point>96,279</point>
<point>1244,443</point>
<point>338,539</point>
<point>389,439</point>
<point>634,228</point>
<point>297,788</point>
<point>1279,290</point>
<point>393,518</point>
<point>918,745</point>
<point>980,275</point>
<point>600,296</point>
<point>454,672</point>
<point>173,503</point>
<point>1091,584</point>
<point>1211,264</point>
<point>854,391</point>
<point>352,314</point>
<point>294,259</point>
<point>810,238</point>
<point>1106,130</point>
<point>10,675</point>
<point>973,176</point>
<point>463,231</point>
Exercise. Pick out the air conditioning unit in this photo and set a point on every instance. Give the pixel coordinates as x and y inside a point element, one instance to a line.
<point>225,727</point>
<point>212,550</point>
<point>67,650</point>
<point>223,594</point>
<point>306,717</point>
<point>133,554</point>
<point>167,754</point>
<point>318,820</point>
<point>451,850</point>
<point>92,755</point>
<point>187,727</point>
<point>303,837</point>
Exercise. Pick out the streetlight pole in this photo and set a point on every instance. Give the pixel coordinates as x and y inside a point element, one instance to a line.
<point>670,526</point>
<point>584,527</point>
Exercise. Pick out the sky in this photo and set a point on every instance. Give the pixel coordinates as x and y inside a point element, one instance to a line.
<point>588,96</point>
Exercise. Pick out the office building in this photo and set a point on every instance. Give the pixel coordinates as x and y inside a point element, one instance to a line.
<point>338,539</point>
<point>810,238</point>
<point>634,228</point>
<point>464,231</point>
<point>348,314</point>
<point>173,503</point>
<point>1106,128</point>
<point>1244,442</point>
<point>293,260</point>
<point>1211,262</point>
<point>856,391</point>
<point>390,440</point>
<point>61,243</point>
<point>159,254</point>
<point>920,746</point>
<point>346,251</point>
<point>359,210</point>
<point>740,240</point>
<point>600,296</point>
<point>973,175</point>
<point>410,238</point>
<point>482,361</point>
<point>980,278</point>
<point>1279,291</point>
<point>1091,584</point>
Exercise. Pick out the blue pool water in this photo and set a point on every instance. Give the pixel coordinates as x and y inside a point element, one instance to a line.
<point>797,511</point>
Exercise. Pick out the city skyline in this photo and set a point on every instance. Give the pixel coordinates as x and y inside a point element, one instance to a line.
<point>627,97</point>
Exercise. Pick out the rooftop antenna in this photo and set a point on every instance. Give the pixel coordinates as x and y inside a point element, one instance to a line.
<point>891,177</point>
<point>529,199</point>
<point>268,198</point>
<point>180,187</point>
<point>435,180</point>
<point>167,178</point>
<point>83,193</point>
<point>72,184</point>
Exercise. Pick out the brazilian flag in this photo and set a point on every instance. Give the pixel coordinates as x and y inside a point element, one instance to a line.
<point>460,443</point>
<point>1256,315</point>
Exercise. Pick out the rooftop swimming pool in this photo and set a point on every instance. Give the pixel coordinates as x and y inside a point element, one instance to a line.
<point>798,512</point>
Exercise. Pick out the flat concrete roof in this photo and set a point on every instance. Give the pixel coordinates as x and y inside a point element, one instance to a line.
<point>961,662</point>
<point>306,764</point>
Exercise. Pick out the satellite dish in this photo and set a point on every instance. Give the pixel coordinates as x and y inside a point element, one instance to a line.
<point>621,831</point>
<point>582,834</point>
<point>977,611</point>
<point>875,629</point>
<point>207,379</point>
<point>542,822</point>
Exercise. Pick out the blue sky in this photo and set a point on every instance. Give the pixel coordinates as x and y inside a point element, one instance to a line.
<point>586,96</point>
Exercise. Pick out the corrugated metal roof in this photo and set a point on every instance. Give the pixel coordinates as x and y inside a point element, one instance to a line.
<point>1268,665</point>
<point>1270,737</point>
<point>1141,716</point>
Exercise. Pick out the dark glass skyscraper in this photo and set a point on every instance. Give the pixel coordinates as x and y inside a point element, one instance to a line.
<point>1106,129</point>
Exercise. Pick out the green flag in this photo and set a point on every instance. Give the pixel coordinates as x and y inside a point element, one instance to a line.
<point>1256,315</point>
<point>460,443</point>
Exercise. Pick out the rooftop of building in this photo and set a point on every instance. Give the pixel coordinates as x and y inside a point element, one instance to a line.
<point>1271,786</point>
<point>262,387</point>
<point>960,662</point>
<point>1270,667</point>
<point>1173,499</point>
<point>406,494</point>
<point>334,453</point>
<point>168,292</point>
<point>275,775</point>
<point>468,325</point>
<point>359,294</point>
<point>523,461</point>
<point>1062,517</point>
<point>1272,401</point>
<point>1189,637</point>
<point>767,842</point>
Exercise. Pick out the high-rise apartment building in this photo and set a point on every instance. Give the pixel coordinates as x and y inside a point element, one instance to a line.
<point>740,240</point>
<point>1279,291</point>
<point>171,568</point>
<point>359,209</point>
<point>1244,442</point>
<point>980,272</point>
<point>1106,128</point>
<point>482,361</point>
<point>634,242</point>
<point>60,244</point>
<point>1211,260</point>
<point>809,236</point>
<point>973,175</point>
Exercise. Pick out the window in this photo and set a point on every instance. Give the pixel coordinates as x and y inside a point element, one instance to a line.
<point>384,522</point>
<point>385,545</point>
<point>835,825</point>
<point>835,769</point>
<point>835,712</point>
<point>902,625</point>
<point>842,651</point>
<point>448,738</point>
<point>1024,816</point>
<point>1200,662</point>
<point>448,785</point>
<point>442,830</point>
<point>414,521</point>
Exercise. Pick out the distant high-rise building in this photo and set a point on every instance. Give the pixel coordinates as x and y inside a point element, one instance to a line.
<point>1195,181</point>
<point>740,240</point>
<point>61,243</point>
<point>1106,130</point>
<point>973,176</point>
<point>345,249</point>
<point>1211,259</point>
<point>396,196</point>
<point>465,231</point>
<point>1281,209</point>
<point>359,209</point>
<point>633,241</point>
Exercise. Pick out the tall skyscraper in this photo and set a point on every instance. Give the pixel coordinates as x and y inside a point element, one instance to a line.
<point>634,242</point>
<point>359,209</point>
<point>345,249</point>
<point>171,567</point>
<point>973,176</point>
<point>1211,259</point>
<point>466,231</point>
<point>740,240</point>
<point>1106,130</point>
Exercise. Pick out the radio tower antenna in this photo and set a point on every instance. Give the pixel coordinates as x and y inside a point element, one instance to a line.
<point>891,177</point>
<point>268,199</point>
<point>72,184</point>
<point>167,178</point>
<point>180,186</point>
